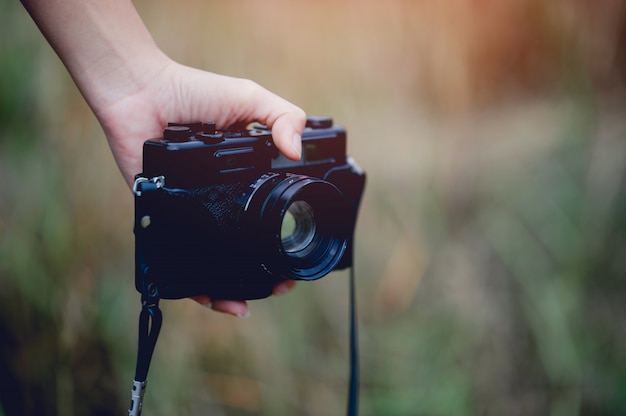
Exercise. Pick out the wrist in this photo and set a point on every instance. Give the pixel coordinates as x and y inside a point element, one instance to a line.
<point>124,73</point>
<point>104,44</point>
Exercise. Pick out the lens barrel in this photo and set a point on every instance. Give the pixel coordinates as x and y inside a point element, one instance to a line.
<point>301,225</point>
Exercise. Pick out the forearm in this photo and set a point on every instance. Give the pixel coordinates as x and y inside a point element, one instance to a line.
<point>134,89</point>
<point>104,45</point>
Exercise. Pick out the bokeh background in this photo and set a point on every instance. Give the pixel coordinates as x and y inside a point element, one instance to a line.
<point>491,245</point>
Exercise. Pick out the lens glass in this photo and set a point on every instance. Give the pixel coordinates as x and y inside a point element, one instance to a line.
<point>298,227</point>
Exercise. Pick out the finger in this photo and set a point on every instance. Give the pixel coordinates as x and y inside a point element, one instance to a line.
<point>287,133</point>
<point>243,100</point>
<point>286,120</point>
<point>283,287</point>
<point>203,300</point>
<point>236,308</point>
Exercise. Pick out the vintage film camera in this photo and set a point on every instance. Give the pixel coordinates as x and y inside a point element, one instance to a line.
<point>224,214</point>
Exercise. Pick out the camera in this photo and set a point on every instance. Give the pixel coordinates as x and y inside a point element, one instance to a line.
<point>223,213</point>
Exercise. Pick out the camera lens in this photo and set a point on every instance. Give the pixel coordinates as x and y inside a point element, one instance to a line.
<point>298,227</point>
<point>302,225</point>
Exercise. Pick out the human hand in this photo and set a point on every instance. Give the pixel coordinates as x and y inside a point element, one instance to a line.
<point>180,94</point>
<point>134,89</point>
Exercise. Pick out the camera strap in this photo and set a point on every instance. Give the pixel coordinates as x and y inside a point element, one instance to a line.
<point>150,317</point>
<point>353,386</point>
<point>150,320</point>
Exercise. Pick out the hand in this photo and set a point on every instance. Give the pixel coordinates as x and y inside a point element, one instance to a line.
<point>179,94</point>
<point>134,89</point>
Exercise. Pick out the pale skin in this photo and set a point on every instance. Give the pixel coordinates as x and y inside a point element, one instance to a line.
<point>134,89</point>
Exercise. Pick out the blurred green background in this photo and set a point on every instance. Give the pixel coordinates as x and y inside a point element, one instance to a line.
<point>491,245</point>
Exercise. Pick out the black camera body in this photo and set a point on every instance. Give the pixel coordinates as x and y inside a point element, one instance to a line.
<point>224,214</point>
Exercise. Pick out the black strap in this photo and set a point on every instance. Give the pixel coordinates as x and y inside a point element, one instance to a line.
<point>150,320</point>
<point>353,387</point>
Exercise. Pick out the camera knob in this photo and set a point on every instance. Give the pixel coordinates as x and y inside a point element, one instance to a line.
<point>319,122</point>
<point>210,138</point>
<point>209,127</point>
<point>176,133</point>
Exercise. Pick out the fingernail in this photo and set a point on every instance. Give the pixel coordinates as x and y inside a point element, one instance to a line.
<point>296,144</point>
<point>244,316</point>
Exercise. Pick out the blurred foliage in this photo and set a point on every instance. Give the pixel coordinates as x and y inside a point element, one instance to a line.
<point>491,246</point>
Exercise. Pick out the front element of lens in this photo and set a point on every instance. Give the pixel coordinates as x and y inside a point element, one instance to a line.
<point>297,230</point>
